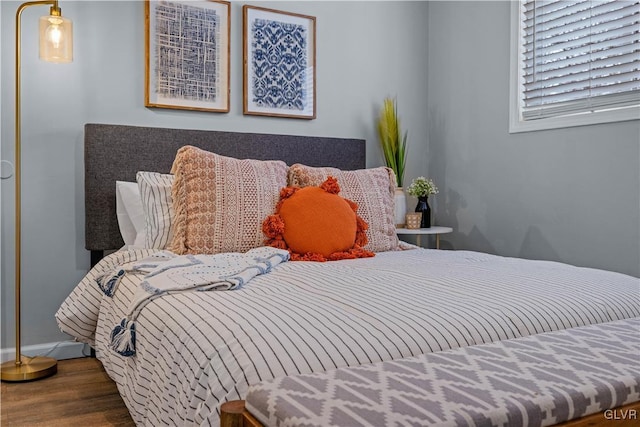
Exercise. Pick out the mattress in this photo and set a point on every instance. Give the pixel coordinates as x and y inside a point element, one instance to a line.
<point>196,350</point>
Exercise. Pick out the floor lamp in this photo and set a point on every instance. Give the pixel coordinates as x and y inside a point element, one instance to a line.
<point>56,45</point>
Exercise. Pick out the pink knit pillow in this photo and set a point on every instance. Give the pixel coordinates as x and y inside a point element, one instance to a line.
<point>219,202</point>
<point>371,189</point>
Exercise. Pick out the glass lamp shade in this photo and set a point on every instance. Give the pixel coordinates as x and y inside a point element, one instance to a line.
<point>56,39</point>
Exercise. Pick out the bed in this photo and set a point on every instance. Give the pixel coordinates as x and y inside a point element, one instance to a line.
<point>197,350</point>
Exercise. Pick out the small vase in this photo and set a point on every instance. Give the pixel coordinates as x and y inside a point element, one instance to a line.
<point>425,209</point>
<point>400,209</point>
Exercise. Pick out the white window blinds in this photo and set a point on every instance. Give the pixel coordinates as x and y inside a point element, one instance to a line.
<point>579,56</point>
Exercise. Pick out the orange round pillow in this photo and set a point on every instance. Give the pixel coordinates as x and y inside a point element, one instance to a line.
<point>316,224</point>
<point>319,222</point>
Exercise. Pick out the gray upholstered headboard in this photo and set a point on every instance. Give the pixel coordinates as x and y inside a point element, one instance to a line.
<point>115,153</point>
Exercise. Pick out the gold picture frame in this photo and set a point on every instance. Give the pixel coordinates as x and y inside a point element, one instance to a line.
<point>187,51</point>
<point>279,63</point>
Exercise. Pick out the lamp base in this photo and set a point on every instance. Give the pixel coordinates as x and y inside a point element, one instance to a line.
<point>32,368</point>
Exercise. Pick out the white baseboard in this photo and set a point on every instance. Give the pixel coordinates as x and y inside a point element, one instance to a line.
<point>58,350</point>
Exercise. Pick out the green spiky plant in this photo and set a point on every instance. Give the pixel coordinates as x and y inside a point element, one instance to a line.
<point>394,147</point>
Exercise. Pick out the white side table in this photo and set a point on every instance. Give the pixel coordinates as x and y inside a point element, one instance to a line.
<point>418,232</point>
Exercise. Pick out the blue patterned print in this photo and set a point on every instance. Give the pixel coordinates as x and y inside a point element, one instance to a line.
<point>279,62</point>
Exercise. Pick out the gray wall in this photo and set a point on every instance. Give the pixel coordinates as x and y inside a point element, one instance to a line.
<point>569,195</point>
<point>365,51</point>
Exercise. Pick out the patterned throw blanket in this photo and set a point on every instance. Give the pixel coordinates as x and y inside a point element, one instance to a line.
<point>166,273</point>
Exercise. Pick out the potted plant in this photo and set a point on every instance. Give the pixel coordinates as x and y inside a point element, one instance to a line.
<point>422,188</point>
<point>394,147</point>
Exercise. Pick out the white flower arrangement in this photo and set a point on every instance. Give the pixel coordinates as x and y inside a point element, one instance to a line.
<point>422,187</point>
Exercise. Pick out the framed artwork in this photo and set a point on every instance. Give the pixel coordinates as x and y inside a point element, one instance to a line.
<point>279,52</point>
<point>187,54</point>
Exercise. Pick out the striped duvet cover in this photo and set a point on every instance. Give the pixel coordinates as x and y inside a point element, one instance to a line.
<point>195,350</point>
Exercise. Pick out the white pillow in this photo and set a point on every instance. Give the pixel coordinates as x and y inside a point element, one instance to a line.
<point>155,195</point>
<point>127,229</point>
<point>130,213</point>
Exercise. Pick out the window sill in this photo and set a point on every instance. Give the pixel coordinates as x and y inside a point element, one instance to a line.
<point>516,125</point>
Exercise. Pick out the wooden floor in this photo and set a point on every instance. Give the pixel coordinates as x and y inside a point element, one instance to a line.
<point>80,394</point>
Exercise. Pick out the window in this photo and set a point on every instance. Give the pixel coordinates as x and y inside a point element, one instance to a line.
<point>574,63</point>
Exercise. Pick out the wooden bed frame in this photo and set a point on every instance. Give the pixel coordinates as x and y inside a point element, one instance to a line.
<point>234,414</point>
